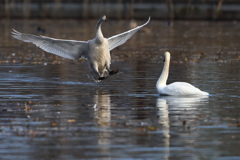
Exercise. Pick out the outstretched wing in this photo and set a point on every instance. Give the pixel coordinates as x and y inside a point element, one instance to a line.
<point>65,48</point>
<point>119,39</point>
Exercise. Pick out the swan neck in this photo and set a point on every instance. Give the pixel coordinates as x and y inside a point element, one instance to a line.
<point>162,81</point>
<point>99,35</point>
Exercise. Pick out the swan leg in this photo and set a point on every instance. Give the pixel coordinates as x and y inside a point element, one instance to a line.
<point>95,71</point>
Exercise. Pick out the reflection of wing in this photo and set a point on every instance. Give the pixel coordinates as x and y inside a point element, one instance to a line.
<point>64,48</point>
<point>119,39</point>
<point>181,88</point>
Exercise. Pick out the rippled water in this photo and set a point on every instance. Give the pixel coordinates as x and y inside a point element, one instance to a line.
<point>50,109</point>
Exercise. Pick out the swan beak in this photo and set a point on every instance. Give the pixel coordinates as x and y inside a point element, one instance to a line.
<point>104,18</point>
<point>163,59</point>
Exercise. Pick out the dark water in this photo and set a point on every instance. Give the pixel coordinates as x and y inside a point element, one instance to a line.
<point>50,109</point>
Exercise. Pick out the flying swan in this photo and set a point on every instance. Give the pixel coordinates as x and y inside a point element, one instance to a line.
<point>96,51</point>
<point>176,88</point>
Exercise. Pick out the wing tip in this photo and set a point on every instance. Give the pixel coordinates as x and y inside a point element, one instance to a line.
<point>149,18</point>
<point>15,34</point>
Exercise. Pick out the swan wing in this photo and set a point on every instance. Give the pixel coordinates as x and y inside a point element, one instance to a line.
<point>64,48</point>
<point>119,39</point>
<point>182,88</point>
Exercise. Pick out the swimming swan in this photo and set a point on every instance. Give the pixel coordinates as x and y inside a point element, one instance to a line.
<point>176,88</point>
<point>96,51</point>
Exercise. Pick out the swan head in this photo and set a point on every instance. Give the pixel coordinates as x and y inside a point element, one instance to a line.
<point>166,56</point>
<point>104,18</point>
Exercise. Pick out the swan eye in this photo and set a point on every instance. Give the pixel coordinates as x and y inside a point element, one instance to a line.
<point>163,59</point>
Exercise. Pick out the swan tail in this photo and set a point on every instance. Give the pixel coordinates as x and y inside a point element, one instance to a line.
<point>205,93</point>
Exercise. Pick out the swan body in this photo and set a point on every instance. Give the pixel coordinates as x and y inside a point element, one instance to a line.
<point>96,51</point>
<point>176,88</point>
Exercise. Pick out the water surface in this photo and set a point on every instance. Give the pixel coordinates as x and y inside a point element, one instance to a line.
<point>50,109</point>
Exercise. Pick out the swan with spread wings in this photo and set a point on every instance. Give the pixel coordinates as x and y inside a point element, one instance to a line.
<point>96,51</point>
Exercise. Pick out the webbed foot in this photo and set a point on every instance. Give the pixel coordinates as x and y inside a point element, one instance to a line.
<point>115,71</point>
<point>102,78</point>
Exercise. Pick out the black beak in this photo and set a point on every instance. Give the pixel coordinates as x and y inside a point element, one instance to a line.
<point>163,59</point>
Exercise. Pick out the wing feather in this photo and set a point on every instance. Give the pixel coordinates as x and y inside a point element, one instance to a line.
<point>181,88</point>
<point>119,39</point>
<point>64,48</point>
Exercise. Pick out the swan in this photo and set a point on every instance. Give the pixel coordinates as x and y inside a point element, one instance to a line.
<point>176,88</point>
<point>96,51</point>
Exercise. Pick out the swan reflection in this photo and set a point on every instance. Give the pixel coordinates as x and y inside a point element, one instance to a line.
<point>102,107</point>
<point>102,114</point>
<point>178,101</point>
<point>165,104</point>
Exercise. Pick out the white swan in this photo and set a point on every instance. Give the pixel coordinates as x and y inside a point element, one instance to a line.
<point>96,51</point>
<point>176,88</point>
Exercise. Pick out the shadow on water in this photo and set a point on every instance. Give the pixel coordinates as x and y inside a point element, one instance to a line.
<point>50,109</point>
